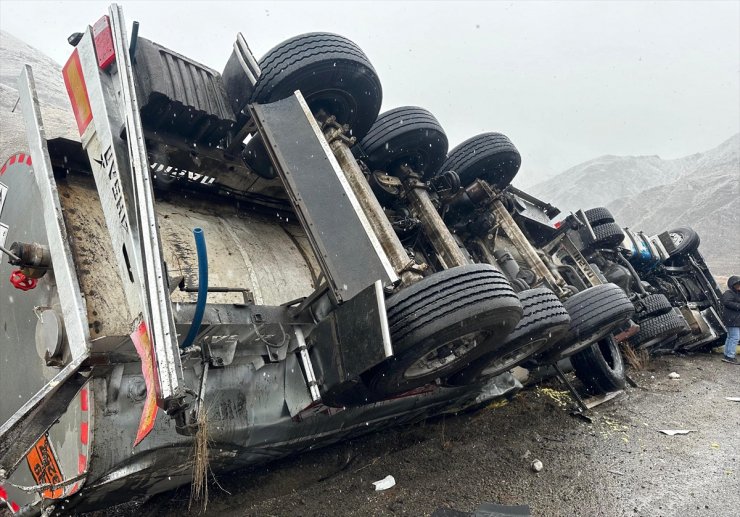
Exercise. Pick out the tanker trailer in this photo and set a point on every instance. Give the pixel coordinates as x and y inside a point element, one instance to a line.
<point>173,299</point>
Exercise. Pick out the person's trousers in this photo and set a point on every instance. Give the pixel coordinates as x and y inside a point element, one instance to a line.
<point>733,336</point>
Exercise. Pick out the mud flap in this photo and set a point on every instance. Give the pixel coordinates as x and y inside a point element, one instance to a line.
<point>347,343</point>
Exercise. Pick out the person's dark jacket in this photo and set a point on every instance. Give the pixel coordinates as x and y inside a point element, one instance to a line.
<point>731,304</point>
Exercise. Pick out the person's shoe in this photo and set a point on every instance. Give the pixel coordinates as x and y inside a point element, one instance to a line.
<point>730,360</point>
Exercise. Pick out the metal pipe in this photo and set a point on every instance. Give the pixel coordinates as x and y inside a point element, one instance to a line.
<point>134,41</point>
<point>200,304</point>
<point>635,276</point>
<point>10,254</point>
<point>380,224</point>
<point>434,227</point>
<point>313,385</point>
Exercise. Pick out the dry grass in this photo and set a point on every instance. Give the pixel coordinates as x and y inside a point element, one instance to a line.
<point>199,489</point>
<point>636,359</point>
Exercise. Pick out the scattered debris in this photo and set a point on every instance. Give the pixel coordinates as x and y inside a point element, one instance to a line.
<point>596,400</point>
<point>498,403</point>
<point>537,465</point>
<point>714,445</point>
<point>561,398</point>
<point>674,375</point>
<point>733,399</point>
<point>674,432</point>
<point>385,483</point>
<point>616,472</point>
<point>582,416</point>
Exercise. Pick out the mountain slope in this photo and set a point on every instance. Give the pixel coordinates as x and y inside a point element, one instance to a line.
<point>705,196</point>
<point>55,107</point>
<point>14,53</point>
<point>605,179</point>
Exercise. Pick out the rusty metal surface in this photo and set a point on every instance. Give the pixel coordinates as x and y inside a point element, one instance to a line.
<point>525,248</point>
<point>434,227</point>
<point>397,255</point>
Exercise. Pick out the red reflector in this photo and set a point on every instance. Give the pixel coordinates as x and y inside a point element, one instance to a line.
<point>103,39</point>
<point>77,91</point>
<point>558,224</point>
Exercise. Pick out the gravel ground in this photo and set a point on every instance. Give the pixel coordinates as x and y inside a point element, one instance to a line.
<point>617,464</point>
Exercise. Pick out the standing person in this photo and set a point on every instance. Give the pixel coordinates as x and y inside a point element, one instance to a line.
<point>731,318</point>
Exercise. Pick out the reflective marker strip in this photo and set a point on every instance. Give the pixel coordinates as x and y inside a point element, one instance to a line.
<point>83,433</point>
<point>83,399</point>
<point>4,498</point>
<point>17,157</point>
<point>84,439</point>
<point>77,91</point>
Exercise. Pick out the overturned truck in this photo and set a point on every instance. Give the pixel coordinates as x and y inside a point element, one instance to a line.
<point>260,257</point>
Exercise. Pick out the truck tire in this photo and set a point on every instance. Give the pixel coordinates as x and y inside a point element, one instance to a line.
<point>686,241</point>
<point>442,323</point>
<point>598,215</point>
<point>544,320</point>
<point>608,235</point>
<point>408,135</point>
<point>333,74</point>
<point>600,367</point>
<point>488,156</point>
<point>657,329</point>
<point>594,313</point>
<point>655,305</point>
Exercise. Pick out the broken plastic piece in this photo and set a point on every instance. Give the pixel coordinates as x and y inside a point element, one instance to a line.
<point>385,483</point>
<point>674,432</point>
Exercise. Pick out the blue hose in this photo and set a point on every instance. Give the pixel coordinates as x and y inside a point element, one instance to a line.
<point>200,304</point>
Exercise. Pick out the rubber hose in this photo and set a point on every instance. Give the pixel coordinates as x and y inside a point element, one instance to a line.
<point>200,304</point>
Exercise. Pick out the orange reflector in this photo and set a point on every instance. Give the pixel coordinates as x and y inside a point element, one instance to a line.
<point>77,91</point>
<point>44,467</point>
<point>145,349</point>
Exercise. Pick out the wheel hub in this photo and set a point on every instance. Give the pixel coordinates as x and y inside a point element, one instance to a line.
<point>442,355</point>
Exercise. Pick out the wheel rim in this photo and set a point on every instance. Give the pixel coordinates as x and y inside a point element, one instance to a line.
<point>510,359</point>
<point>334,102</point>
<point>608,353</point>
<point>583,343</point>
<point>443,355</point>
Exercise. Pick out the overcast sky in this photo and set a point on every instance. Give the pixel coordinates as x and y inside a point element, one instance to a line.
<point>566,81</point>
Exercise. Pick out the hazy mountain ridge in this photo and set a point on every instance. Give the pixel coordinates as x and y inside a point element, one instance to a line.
<point>705,196</point>
<point>607,178</point>
<point>55,107</point>
<point>701,190</point>
<point>14,53</point>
